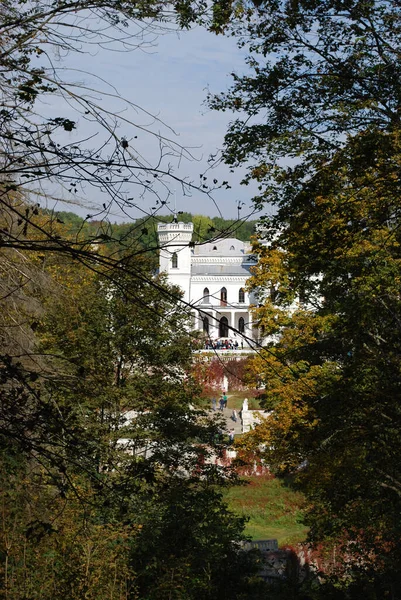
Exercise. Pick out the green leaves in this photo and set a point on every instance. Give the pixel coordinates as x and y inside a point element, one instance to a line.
<point>66,124</point>
<point>317,74</point>
<point>108,481</point>
<point>319,127</point>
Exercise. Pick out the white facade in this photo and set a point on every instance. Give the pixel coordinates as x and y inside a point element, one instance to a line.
<point>212,276</point>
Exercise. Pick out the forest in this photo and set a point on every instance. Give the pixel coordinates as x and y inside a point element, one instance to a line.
<point>144,230</point>
<point>95,505</point>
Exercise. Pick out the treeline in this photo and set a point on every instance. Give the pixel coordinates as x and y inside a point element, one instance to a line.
<point>144,230</point>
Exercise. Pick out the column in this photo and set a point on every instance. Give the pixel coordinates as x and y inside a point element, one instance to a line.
<point>232,324</point>
<point>214,326</point>
<point>249,330</point>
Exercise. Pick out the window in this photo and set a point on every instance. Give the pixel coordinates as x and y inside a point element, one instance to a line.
<point>214,247</point>
<point>241,325</point>
<point>206,299</point>
<point>241,295</point>
<point>206,325</point>
<point>232,248</point>
<point>223,297</point>
<point>174,261</point>
<point>223,327</point>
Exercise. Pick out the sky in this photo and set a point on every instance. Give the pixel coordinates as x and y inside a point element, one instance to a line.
<point>169,79</point>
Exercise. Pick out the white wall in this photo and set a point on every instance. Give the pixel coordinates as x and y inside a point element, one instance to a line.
<point>174,238</point>
<point>214,287</point>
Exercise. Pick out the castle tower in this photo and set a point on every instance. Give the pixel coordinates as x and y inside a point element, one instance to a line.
<point>175,254</point>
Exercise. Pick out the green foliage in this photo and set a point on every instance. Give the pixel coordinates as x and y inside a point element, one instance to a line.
<point>187,548</point>
<point>140,236</point>
<point>203,228</point>
<point>55,546</point>
<point>318,73</point>
<point>320,121</point>
<point>93,504</point>
<point>241,229</point>
<point>272,508</point>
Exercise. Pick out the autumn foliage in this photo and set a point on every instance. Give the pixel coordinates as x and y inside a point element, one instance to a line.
<point>213,372</point>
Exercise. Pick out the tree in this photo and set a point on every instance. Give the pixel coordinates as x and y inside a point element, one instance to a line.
<point>332,375</point>
<point>86,146</point>
<point>98,333</point>
<point>319,73</point>
<point>321,128</point>
<point>91,494</point>
<point>203,227</point>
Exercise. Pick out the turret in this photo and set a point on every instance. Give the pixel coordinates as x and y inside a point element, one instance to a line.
<point>175,253</point>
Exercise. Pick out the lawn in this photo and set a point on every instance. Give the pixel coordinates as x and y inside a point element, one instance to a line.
<point>235,400</point>
<point>273,508</point>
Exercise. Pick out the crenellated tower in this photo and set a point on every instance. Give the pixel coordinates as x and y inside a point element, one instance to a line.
<point>175,253</point>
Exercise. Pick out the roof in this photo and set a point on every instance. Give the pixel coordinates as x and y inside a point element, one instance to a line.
<point>223,247</point>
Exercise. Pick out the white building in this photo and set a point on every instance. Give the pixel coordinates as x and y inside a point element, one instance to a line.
<point>212,276</point>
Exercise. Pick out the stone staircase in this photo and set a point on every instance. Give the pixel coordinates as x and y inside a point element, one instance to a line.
<point>230,424</point>
<point>236,425</point>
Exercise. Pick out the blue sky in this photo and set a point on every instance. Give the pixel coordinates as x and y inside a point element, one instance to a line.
<point>169,80</point>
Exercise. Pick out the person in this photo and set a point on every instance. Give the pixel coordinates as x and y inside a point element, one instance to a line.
<point>221,403</point>
<point>225,400</point>
<point>231,436</point>
<point>242,345</point>
<point>219,437</point>
<point>213,403</point>
<point>234,415</point>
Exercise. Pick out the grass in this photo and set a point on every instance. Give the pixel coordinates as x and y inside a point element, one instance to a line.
<point>236,398</point>
<point>273,508</point>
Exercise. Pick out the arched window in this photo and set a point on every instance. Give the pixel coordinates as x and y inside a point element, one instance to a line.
<point>241,325</point>
<point>223,327</point>
<point>174,261</point>
<point>232,248</point>
<point>214,247</point>
<point>206,325</point>
<point>241,295</point>
<point>206,299</point>
<point>223,297</point>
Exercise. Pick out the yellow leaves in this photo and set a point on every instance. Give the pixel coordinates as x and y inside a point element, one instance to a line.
<point>269,317</point>
<point>260,172</point>
<point>270,281</point>
<point>291,390</point>
<point>59,546</point>
<point>271,266</point>
<point>320,200</point>
<point>305,328</point>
